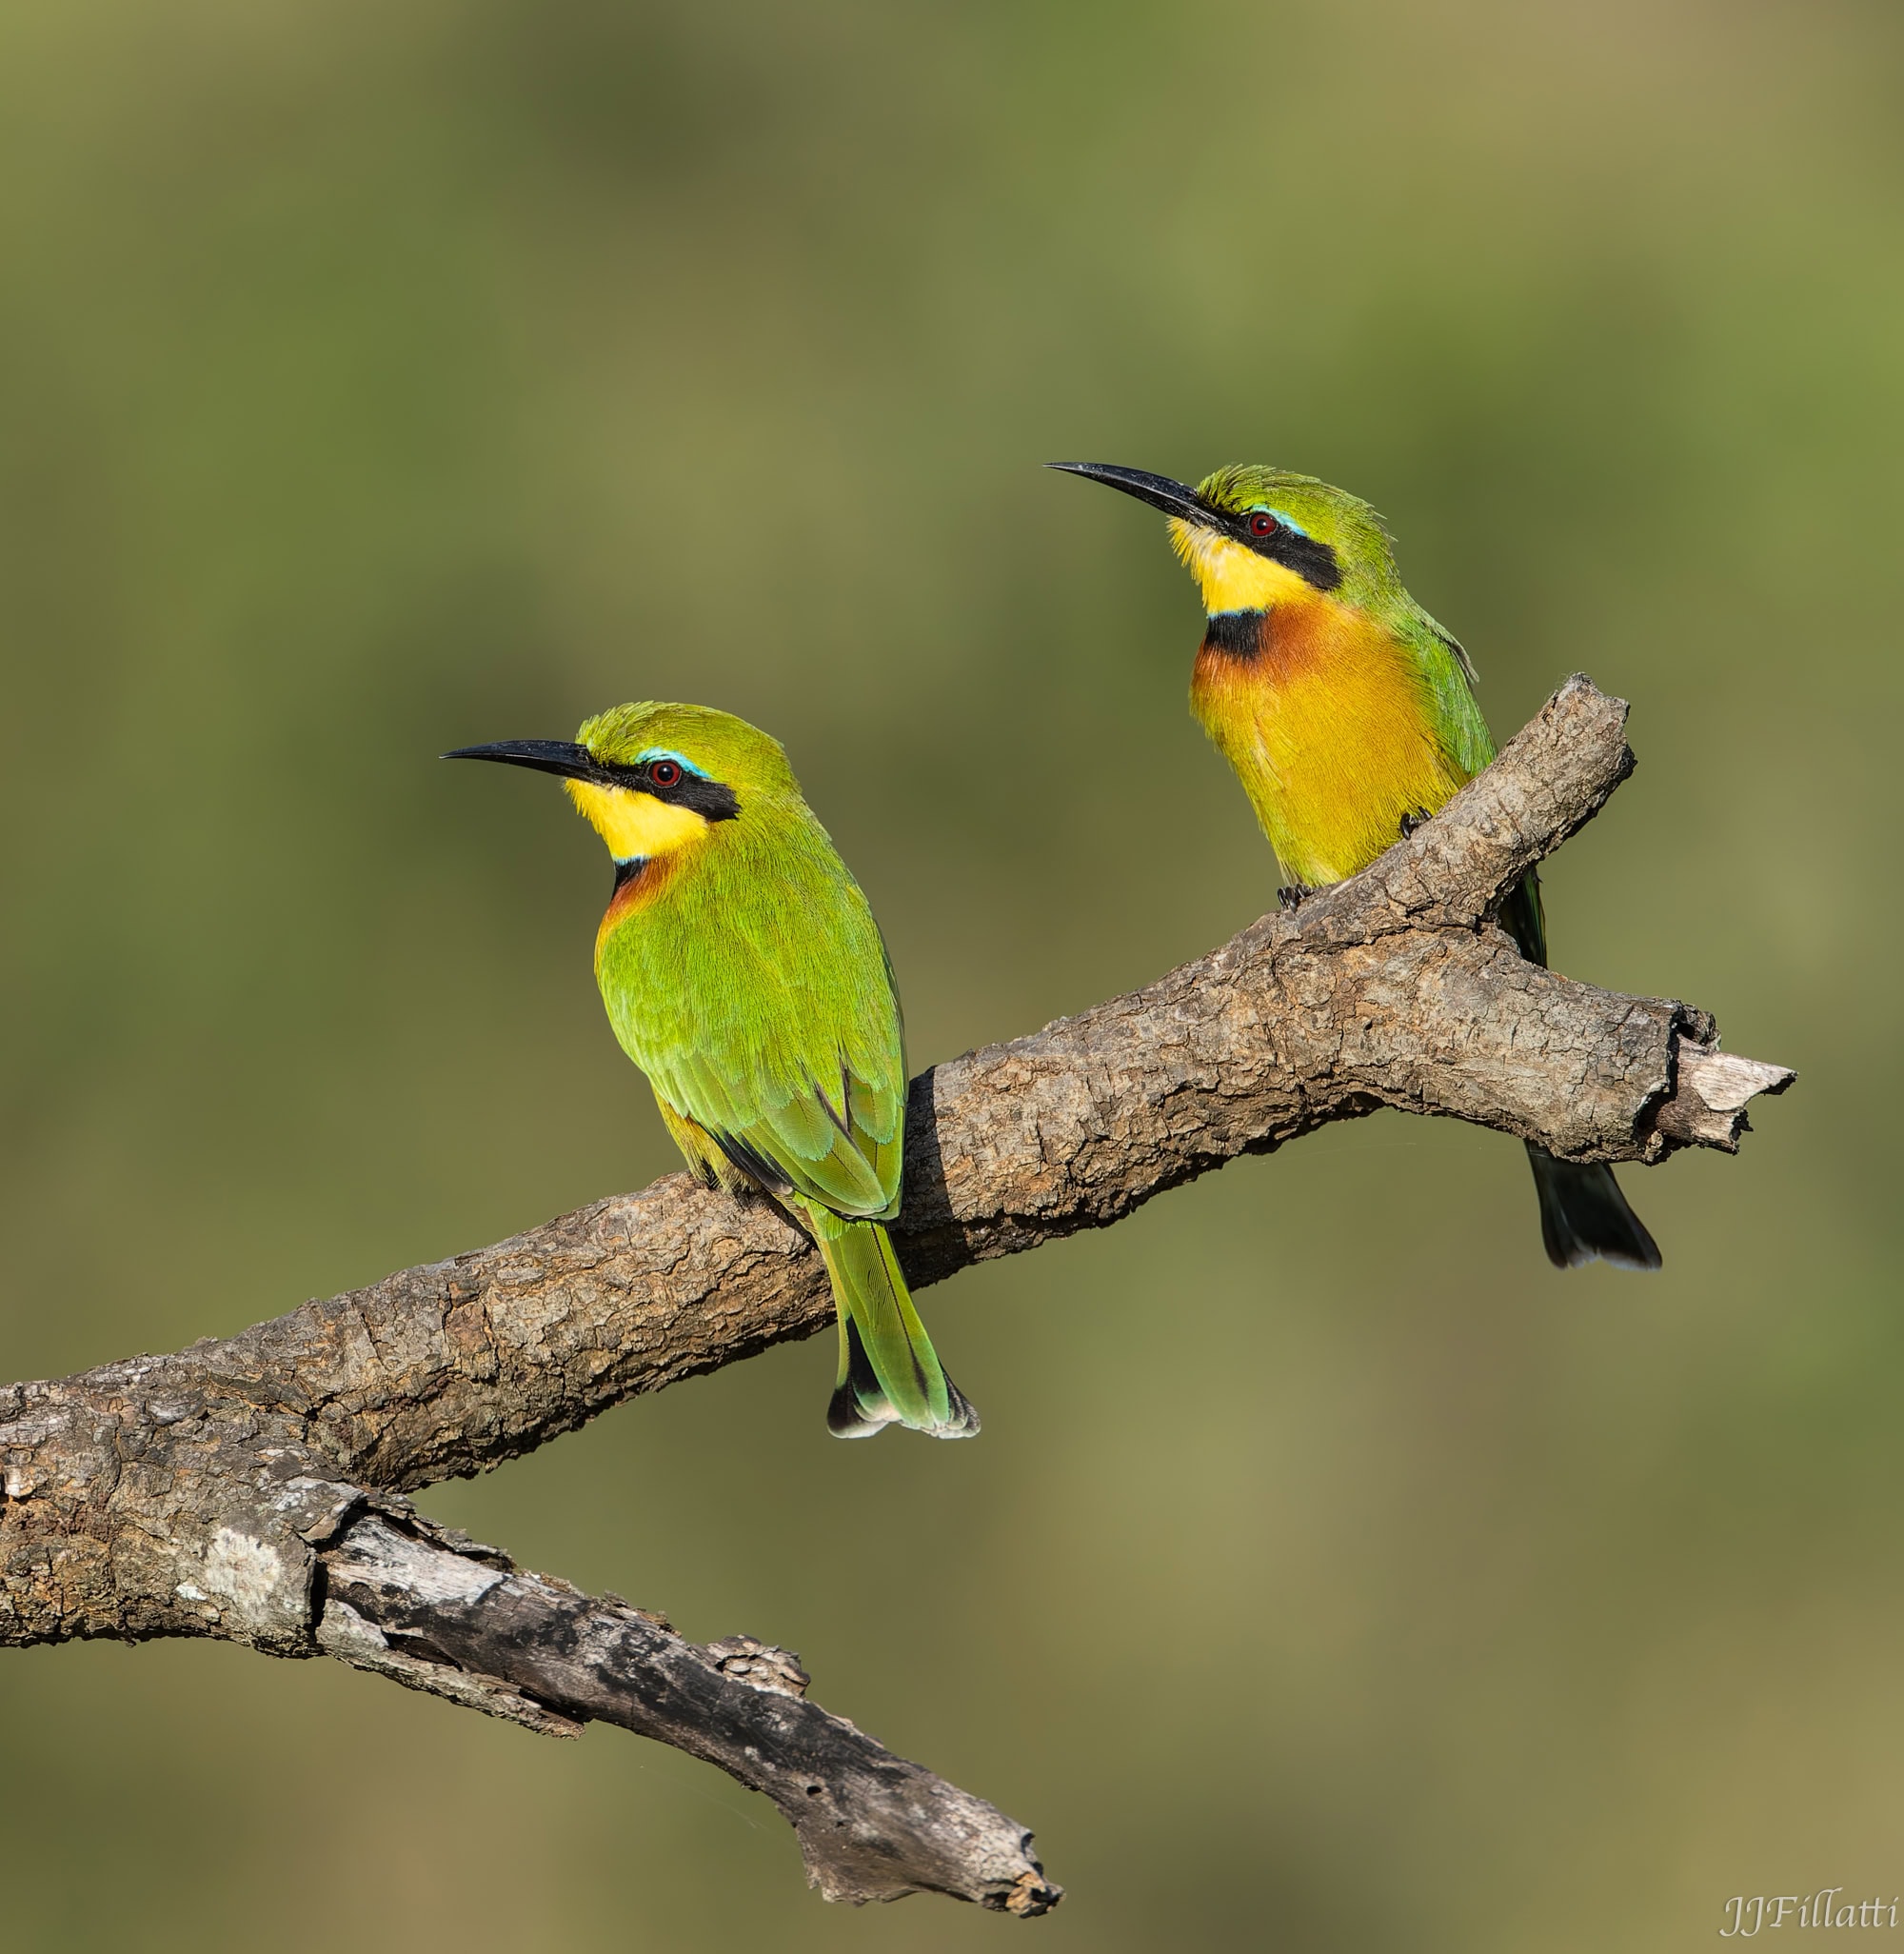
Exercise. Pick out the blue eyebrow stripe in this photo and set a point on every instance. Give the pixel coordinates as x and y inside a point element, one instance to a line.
<point>681,760</point>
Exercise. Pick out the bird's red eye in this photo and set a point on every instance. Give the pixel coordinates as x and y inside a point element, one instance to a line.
<point>665,773</point>
<point>1262,523</point>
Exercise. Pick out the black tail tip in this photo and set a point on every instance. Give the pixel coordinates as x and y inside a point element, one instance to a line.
<point>847,1419</point>
<point>961,1415</point>
<point>1585,1218</point>
<point>855,1413</point>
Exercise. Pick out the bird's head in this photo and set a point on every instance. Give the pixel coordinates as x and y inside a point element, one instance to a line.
<point>1256,537</point>
<point>653,779</point>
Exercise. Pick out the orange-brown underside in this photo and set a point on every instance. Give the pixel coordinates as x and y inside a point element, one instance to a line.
<point>1328,729</point>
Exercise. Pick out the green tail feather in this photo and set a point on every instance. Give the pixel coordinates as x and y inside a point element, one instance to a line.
<point>1584,1216</point>
<point>889,1373</point>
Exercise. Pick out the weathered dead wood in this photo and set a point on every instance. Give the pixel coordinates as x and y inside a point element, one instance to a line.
<point>250,1488</point>
<point>410,1599</point>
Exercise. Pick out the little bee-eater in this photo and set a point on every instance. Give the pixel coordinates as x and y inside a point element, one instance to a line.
<point>744,974</point>
<point>1349,715</point>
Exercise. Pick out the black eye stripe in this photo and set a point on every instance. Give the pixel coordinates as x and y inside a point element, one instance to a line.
<point>713,800</point>
<point>1314,562</point>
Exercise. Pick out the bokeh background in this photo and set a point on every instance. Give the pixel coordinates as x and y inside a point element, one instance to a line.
<point>1331,1575</point>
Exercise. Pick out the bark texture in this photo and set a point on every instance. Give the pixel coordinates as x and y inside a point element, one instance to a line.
<point>250,1488</point>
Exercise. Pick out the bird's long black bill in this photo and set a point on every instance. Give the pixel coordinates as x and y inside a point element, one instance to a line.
<point>562,757</point>
<point>1173,498</point>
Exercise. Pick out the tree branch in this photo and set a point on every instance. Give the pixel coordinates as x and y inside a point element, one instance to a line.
<point>250,1488</point>
<point>417,1602</point>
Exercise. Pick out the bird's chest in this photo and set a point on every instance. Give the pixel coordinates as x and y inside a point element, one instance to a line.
<point>663,971</point>
<point>1329,729</point>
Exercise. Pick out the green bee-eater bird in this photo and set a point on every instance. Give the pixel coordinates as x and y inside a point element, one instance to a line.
<point>1349,715</point>
<point>744,974</point>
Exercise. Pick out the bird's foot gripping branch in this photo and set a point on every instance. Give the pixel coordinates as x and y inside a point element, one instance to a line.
<point>251,1488</point>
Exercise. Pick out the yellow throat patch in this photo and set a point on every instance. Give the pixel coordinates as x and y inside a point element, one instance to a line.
<point>635,824</point>
<point>1231,577</point>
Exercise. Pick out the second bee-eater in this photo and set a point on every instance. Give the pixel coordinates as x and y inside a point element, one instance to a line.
<point>1349,715</point>
<point>744,974</point>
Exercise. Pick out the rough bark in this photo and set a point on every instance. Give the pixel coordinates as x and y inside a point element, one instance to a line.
<point>250,1488</point>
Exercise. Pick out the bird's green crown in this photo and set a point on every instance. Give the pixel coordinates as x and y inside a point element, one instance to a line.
<point>715,745</point>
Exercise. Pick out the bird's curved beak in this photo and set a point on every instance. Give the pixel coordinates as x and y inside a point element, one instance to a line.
<point>1173,498</point>
<point>561,757</point>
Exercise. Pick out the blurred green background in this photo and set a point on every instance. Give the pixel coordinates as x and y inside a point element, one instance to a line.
<point>1331,1574</point>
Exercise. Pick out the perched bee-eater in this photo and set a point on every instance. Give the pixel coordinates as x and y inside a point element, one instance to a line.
<point>1349,715</point>
<point>744,974</point>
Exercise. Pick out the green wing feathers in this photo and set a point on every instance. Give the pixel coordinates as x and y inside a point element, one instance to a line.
<point>1448,678</point>
<point>813,1146</point>
<point>756,997</point>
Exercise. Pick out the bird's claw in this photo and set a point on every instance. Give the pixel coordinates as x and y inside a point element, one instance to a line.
<point>1411,822</point>
<point>1292,895</point>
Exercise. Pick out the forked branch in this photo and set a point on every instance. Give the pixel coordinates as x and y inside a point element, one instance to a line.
<point>250,1488</point>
